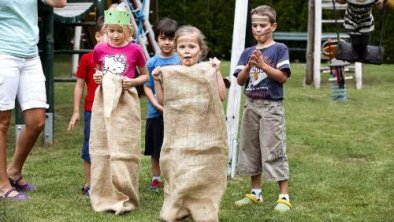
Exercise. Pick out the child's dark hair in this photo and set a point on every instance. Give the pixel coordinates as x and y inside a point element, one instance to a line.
<point>166,27</point>
<point>99,24</point>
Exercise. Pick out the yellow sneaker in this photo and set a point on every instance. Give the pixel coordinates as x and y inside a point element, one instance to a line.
<point>282,206</point>
<point>248,200</point>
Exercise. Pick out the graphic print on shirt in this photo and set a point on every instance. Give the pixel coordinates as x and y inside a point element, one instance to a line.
<point>256,75</point>
<point>254,88</point>
<point>115,64</point>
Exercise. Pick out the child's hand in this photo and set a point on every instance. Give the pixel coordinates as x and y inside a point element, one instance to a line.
<point>158,107</point>
<point>157,74</point>
<point>215,63</point>
<point>380,4</point>
<point>257,59</point>
<point>74,119</point>
<point>98,77</point>
<point>127,83</point>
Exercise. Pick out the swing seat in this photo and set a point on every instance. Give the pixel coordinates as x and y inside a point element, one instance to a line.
<point>372,55</point>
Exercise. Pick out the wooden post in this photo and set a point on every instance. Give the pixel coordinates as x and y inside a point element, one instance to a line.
<point>317,43</point>
<point>234,95</point>
<point>310,45</point>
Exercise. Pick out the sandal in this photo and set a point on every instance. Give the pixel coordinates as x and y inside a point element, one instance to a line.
<point>27,187</point>
<point>19,196</point>
<point>248,200</point>
<point>283,205</point>
<point>85,191</point>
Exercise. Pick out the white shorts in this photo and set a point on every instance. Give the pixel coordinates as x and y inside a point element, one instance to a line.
<point>23,79</point>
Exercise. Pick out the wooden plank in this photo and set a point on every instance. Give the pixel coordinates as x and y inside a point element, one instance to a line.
<point>303,36</point>
<point>234,94</point>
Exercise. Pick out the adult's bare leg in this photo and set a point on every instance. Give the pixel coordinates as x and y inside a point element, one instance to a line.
<point>5,118</point>
<point>34,123</point>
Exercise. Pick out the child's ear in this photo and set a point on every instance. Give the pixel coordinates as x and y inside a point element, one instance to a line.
<point>97,36</point>
<point>274,26</point>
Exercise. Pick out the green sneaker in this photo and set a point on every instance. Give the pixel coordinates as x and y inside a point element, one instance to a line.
<point>248,200</point>
<point>282,206</point>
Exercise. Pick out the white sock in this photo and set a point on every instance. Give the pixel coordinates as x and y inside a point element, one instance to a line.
<point>257,192</point>
<point>156,178</point>
<point>285,196</point>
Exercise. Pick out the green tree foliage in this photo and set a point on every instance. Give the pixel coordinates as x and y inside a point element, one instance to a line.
<point>213,17</point>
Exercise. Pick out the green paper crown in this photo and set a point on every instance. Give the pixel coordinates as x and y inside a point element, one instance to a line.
<point>116,17</point>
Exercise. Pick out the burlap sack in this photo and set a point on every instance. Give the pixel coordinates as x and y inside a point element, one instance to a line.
<point>194,154</point>
<point>115,147</point>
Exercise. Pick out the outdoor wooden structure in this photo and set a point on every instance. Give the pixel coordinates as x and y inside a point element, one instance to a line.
<point>316,36</point>
<point>234,94</point>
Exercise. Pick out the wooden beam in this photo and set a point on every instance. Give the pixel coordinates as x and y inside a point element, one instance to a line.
<point>234,95</point>
<point>310,43</point>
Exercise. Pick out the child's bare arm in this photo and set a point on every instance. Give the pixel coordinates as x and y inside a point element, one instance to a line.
<point>244,74</point>
<point>219,79</point>
<point>151,97</point>
<point>143,78</point>
<point>380,4</point>
<point>158,86</point>
<point>78,92</point>
<point>127,83</point>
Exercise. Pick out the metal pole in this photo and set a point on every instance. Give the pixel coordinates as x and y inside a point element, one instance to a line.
<point>77,46</point>
<point>100,7</point>
<point>48,63</point>
<point>18,120</point>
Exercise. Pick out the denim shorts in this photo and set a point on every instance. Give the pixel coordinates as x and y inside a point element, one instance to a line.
<point>85,148</point>
<point>21,78</point>
<point>263,141</point>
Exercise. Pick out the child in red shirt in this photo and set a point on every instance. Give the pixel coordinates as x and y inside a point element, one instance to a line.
<point>86,69</point>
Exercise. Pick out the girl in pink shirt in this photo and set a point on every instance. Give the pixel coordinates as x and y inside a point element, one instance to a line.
<point>116,122</point>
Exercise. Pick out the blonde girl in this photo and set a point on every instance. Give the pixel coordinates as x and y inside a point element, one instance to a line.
<point>194,152</point>
<point>116,122</point>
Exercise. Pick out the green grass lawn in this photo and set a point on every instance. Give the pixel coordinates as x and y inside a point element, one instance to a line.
<point>341,157</point>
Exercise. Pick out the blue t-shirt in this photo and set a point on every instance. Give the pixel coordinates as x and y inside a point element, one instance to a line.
<point>259,85</point>
<point>18,28</point>
<point>154,62</point>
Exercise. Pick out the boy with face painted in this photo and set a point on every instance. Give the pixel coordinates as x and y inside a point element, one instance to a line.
<point>263,69</point>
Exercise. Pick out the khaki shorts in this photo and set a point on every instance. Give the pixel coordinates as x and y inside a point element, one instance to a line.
<point>263,141</point>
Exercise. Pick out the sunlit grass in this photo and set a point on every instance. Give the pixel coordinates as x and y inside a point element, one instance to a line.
<point>341,158</point>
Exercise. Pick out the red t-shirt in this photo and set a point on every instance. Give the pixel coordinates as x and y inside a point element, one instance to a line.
<point>86,69</point>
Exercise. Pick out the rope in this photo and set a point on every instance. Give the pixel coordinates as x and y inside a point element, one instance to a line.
<point>139,15</point>
<point>381,31</point>
<point>336,22</point>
